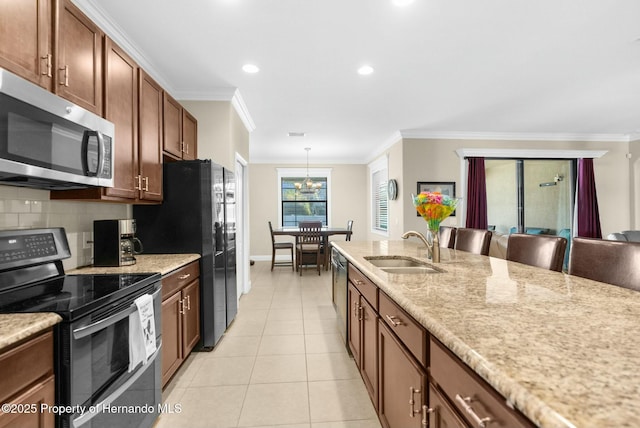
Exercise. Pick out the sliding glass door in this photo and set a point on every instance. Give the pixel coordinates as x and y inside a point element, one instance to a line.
<point>530,195</point>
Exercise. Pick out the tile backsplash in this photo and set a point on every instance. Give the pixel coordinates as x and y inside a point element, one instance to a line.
<point>24,208</point>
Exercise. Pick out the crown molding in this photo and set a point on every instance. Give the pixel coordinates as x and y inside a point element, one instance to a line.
<point>386,145</point>
<point>516,136</point>
<point>530,153</point>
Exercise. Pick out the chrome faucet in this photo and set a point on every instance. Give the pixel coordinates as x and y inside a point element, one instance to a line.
<point>433,250</point>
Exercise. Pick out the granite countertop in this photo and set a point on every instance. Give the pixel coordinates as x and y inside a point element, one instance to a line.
<point>16,327</point>
<point>145,263</point>
<point>562,349</point>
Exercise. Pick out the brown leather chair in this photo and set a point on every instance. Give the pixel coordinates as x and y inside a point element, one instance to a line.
<point>447,236</point>
<point>613,262</point>
<point>475,241</point>
<point>544,251</point>
<point>309,245</point>
<point>280,246</point>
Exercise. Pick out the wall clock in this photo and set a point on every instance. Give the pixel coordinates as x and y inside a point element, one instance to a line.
<point>392,189</point>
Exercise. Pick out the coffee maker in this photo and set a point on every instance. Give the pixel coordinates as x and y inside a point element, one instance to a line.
<point>115,243</point>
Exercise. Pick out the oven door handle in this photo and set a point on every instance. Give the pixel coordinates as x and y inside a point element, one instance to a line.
<point>95,327</point>
<point>87,416</point>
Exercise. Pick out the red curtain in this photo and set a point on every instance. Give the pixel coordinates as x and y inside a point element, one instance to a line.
<point>587,214</point>
<point>476,195</point>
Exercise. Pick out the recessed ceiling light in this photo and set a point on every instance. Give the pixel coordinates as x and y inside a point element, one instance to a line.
<point>402,3</point>
<point>365,70</point>
<point>296,134</point>
<point>250,68</point>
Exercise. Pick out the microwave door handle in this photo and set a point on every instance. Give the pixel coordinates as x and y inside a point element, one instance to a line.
<point>95,327</point>
<point>85,151</point>
<point>87,416</point>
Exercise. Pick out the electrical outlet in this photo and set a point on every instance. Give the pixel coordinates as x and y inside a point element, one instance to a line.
<point>87,240</point>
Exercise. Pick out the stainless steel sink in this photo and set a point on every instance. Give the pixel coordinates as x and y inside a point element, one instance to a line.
<point>410,270</point>
<point>401,265</point>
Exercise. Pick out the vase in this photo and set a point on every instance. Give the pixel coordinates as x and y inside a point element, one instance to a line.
<point>435,245</point>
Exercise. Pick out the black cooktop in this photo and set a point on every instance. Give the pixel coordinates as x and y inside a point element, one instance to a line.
<point>73,296</point>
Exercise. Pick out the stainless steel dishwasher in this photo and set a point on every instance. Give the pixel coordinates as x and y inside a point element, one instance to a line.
<point>339,290</point>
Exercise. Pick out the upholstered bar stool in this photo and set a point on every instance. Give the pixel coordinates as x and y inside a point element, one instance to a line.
<point>544,251</point>
<point>280,246</point>
<point>475,241</point>
<point>613,262</point>
<point>447,236</point>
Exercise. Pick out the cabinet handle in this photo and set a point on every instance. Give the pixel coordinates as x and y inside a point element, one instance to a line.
<point>181,277</point>
<point>412,410</point>
<point>182,307</point>
<point>188,303</point>
<point>181,146</point>
<point>392,319</point>
<point>48,65</point>
<point>360,313</point>
<point>65,82</point>
<point>138,179</point>
<point>464,402</point>
<point>355,309</point>
<point>145,180</point>
<point>358,282</point>
<point>427,411</point>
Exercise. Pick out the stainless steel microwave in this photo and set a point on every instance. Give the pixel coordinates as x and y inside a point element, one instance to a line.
<point>50,143</point>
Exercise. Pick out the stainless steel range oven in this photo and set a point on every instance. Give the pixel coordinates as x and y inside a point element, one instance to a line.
<point>92,342</point>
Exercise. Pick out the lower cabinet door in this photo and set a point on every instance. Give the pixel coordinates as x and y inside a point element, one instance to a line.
<point>441,414</point>
<point>401,383</point>
<point>171,335</point>
<point>353,312</point>
<point>191,329</point>
<point>33,399</point>
<point>369,349</point>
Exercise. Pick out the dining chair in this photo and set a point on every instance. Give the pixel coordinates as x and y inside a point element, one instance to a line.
<point>613,262</point>
<point>475,241</point>
<point>279,246</point>
<point>309,244</point>
<point>544,251</point>
<point>349,229</point>
<point>447,236</point>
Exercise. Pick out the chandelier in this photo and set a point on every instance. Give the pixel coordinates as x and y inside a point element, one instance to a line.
<point>307,186</point>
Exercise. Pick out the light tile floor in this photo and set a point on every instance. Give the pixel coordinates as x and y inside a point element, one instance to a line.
<point>280,364</point>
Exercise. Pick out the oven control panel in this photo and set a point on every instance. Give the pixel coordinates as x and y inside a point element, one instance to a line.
<point>26,247</point>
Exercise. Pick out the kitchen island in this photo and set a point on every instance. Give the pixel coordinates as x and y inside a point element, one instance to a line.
<point>561,349</point>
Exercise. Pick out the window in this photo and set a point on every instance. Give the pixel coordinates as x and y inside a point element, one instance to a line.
<point>296,206</point>
<point>379,200</point>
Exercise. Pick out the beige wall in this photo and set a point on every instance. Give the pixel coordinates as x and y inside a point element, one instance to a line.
<point>436,160</point>
<point>348,202</point>
<point>221,133</point>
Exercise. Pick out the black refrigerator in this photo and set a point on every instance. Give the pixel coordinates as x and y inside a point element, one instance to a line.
<point>197,215</point>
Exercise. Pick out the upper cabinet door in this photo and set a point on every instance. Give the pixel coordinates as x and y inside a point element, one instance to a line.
<point>150,120</point>
<point>79,58</point>
<point>25,40</point>
<point>189,135</point>
<point>121,108</point>
<point>172,126</point>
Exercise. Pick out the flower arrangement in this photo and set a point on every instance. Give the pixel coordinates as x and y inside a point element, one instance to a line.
<point>434,207</point>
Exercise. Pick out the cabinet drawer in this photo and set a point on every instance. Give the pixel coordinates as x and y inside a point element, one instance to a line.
<point>458,382</point>
<point>412,334</point>
<point>367,288</point>
<point>25,365</point>
<point>179,278</point>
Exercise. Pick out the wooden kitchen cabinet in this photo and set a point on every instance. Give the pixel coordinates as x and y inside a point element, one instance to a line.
<point>27,377</point>
<point>402,383</point>
<point>78,59</point>
<point>26,28</point>
<point>180,317</point>
<point>133,102</point>
<point>440,412</point>
<point>473,399</point>
<point>180,131</point>
<point>363,329</point>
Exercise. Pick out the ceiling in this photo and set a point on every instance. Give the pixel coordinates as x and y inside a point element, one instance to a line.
<point>544,69</point>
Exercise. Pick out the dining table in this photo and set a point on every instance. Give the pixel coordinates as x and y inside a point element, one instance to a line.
<point>326,232</point>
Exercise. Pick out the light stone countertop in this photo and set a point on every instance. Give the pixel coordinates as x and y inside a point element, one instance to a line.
<point>16,327</point>
<point>145,263</point>
<point>562,349</point>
